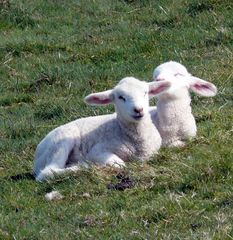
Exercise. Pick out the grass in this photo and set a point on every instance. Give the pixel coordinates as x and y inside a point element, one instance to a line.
<point>52,54</point>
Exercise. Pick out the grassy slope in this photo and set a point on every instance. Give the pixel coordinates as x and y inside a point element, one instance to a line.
<point>53,53</point>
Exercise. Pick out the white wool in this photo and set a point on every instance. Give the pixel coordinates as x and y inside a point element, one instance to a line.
<point>86,195</point>
<point>173,116</point>
<point>104,140</point>
<point>54,195</point>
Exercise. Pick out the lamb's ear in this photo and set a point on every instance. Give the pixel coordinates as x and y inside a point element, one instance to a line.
<point>156,88</point>
<point>202,87</point>
<point>100,98</point>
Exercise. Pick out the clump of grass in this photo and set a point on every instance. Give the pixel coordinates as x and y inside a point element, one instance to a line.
<point>18,99</point>
<point>43,79</point>
<point>47,111</point>
<point>19,130</point>
<point>49,78</point>
<point>168,23</point>
<point>15,16</point>
<point>198,7</point>
<point>34,47</point>
<point>4,4</point>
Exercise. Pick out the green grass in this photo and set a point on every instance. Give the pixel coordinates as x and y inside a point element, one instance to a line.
<point>52,54</point>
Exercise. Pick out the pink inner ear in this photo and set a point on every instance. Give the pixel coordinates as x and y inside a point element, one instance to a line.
<point>158,89</point>
<point>99,100</point>
<point>200,86</point>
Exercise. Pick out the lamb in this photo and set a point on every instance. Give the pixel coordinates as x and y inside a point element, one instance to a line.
<point>173,116</point>
<point>104,140</point>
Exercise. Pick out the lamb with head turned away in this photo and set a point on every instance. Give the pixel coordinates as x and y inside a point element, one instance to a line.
<point>106,140</point>
<point>173,115</point>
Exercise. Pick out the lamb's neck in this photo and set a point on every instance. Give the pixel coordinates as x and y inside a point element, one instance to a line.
<point>174,107</point>
<point>135,130</point>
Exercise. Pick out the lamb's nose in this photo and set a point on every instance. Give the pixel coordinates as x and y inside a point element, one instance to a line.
<point>138,110</point>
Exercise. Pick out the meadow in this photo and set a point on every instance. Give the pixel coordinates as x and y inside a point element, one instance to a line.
<point>54,53</point>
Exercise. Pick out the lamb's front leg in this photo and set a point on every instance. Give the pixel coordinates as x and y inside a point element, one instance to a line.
<point>102,157</point>
<point>113,160</point>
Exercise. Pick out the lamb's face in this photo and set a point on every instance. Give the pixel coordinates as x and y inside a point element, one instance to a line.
<point>175,73</point>
<point>181,82</point>
<point>131,99</point>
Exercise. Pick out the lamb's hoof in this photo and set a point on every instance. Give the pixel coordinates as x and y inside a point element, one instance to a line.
<point>116,164</point>
<point>44,175</point>
<point>177,143</point>
<point>40,178</point>
<point>73,169</point>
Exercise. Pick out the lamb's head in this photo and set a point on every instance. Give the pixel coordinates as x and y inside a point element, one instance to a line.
<point>182,81</point>
<point>130,97</point>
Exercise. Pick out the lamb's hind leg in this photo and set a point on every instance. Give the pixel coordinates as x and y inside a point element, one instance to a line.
<point>49,172</point>
<point>56,159</point>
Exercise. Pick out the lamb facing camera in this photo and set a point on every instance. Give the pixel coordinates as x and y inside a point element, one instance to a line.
<point>173,116</point>
<point>111,139</point>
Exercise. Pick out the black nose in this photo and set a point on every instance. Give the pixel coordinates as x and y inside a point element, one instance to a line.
<point>138,110</point>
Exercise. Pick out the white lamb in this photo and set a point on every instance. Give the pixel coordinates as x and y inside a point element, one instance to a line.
<point>107,139</point>
<point>173,116</point>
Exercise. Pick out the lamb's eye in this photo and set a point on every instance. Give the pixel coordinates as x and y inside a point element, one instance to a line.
<point>178,74</point>
<point>122,98</point>
<point>159,79</point>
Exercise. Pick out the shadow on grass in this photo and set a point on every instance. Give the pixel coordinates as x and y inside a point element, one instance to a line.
<point>22,176</point>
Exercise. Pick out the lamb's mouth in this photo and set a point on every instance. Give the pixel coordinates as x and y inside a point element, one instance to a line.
<point>138,117</point>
